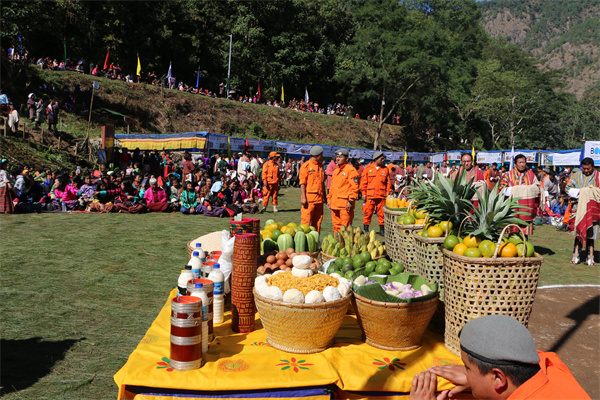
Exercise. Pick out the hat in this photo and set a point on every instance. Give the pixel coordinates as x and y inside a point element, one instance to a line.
<point>31,95</point>
<point>152,181</point>
<point>273,154</point>
<point>498,339</point>
<point>316,150</point>
<point>25,172</point>
<point>361,161</point>
<point>546,170</point>
<point>378,154</point>
<point>342,152</point>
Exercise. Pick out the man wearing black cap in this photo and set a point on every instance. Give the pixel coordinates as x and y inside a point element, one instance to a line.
<point>343,192</point>
<point>500,362</point>
<point>312,189</point>
<point>375,185</point>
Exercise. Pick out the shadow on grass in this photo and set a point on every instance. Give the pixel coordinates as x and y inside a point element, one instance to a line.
<point>544,251</point>
<point>25,361</point>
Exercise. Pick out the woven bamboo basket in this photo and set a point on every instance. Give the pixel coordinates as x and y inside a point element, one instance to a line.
<point>392,233</point>
<point>475,287</point>
<point>429,262</point>
<point>393,326</point>
<point>407,242</point>
<point>301,328</point>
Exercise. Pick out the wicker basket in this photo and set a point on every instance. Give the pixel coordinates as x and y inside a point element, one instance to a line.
<point>301,328</point>
<point>393,326</point>
<point>407,242</point>
<point>430,265</point>
<point>392,233</point>
<point>475,287</point>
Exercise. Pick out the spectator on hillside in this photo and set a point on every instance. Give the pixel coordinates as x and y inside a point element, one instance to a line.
<point>31,106</point>
<point>7,193</point>
<point>13,118</point>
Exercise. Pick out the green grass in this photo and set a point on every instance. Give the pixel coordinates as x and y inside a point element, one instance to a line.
<point>79,291</point>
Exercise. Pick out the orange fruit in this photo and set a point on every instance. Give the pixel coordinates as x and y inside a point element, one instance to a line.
<point>508,250</point>
<point>419,221</point>
<point>435,232</point>
<point>289,230</point>
<point>472,252</point>
<point>459,249</point>
<point>267,234</point>
<point>273,226</point>
<point>421,214</point>
<point>472,241</point>
<point>487,248</point>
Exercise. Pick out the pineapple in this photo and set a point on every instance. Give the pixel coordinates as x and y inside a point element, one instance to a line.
<point>494,213</point>
<point>445,199</point>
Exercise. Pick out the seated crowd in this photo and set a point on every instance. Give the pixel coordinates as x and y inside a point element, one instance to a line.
<point>152,184</point>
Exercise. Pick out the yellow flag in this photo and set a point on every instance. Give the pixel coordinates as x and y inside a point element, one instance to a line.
<point>405,157</point>
<point>473,153</point>
<point>282,96</point>
<point>138,71</point>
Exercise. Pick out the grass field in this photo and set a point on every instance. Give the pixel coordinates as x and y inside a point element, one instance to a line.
<point>79,291</point>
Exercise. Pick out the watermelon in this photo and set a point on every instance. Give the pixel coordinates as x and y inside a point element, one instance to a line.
<point>285,241</point>
<point>300,241</point>
<point>269,245</point>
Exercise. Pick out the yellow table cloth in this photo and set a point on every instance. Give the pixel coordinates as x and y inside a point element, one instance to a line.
<point>246,362</point>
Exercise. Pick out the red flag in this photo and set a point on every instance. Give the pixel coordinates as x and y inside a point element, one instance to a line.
<point>259,90</point>
<point>106,61</point>
<point>247,146</point>
<point>445,156</point>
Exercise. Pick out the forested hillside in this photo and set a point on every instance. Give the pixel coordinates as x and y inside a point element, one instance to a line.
<point>429,62</point>
<point>562,35</point>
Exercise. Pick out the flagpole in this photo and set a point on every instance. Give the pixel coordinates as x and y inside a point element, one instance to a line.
<point>229,68</point>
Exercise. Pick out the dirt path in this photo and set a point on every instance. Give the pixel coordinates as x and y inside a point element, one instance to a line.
<point>566,320</point>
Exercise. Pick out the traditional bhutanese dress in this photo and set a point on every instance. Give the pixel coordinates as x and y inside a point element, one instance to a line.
<point>585,222</point>
<point>529,197</point>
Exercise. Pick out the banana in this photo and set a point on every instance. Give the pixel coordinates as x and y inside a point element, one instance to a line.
<point>373,253</point>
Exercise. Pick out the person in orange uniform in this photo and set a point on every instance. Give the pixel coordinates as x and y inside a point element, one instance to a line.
<point>271,177</point>
<point>343,192</point>
<point>312,189</point>
<point>500,362</point>
<point>375,185</point>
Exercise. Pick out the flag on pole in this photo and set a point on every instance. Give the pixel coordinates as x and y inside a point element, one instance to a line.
<point>582,154</point>
<point>473,154</point>
<point>282,96</point>
<point>138,71</point>
<point>306,98</point>
<point>106,60</point>
<point>405,157</point>
<point>259,90</point>
<point>198,79</point>
<point>512,157</point>
<point>169,74</point>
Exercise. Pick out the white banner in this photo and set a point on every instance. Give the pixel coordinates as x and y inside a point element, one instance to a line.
<point>418,156</point>
<point>454,155</point>
<point>217,142</point>
<point>488,158</point>
<point>566,159</point>
<point>531,156</point>
<point>437,158</point>
<point>257,145</point>
<point>237,144</point>
<point>592,150</point>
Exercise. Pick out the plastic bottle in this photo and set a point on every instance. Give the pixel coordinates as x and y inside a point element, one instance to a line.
<point>202,255</point>
<point>198,291</point>
<point>216,275</point>
<point>196,264</point>
<point>184,277</point>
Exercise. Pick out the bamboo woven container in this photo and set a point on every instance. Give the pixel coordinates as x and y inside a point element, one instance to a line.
<point>301,328</point>
<point>475,287</point>
<point>393,326</point>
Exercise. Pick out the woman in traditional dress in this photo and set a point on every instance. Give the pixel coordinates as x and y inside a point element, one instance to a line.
<point>156,197</point>
<point>7,194</point>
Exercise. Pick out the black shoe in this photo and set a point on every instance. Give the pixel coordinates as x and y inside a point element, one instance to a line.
<point>366,228</point>
<point>381,230</point>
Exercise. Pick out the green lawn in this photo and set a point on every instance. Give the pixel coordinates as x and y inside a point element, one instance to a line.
<point>78,291</point>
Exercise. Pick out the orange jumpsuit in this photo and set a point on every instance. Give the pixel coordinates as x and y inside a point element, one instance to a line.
<point>312,176</point>
<point>375,185</point>
<point>271,177</point>
<point>344,188</point>
<point>553,381</point>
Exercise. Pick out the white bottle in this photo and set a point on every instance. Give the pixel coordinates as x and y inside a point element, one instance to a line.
<point>202,255</point>
<point>198,291</point>
<point>216,275</point>
<point>185,276</point>
<point>196,265</point>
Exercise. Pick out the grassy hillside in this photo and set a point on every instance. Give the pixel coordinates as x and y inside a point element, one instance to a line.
<point>563,35</point>
<point>158,110</point>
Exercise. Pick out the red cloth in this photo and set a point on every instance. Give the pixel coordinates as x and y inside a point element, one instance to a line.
<point>592,215</point>
<point>554,381</point>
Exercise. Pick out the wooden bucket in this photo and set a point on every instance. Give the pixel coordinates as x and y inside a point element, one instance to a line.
<point>186,333</point>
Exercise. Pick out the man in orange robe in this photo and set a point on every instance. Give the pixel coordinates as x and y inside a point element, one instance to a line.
<point>312,189</point>
<point>271,177</point>
<point>343,192</point>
